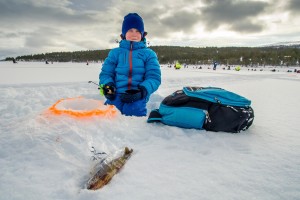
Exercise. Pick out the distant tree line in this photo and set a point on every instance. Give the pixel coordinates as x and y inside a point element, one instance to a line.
<point>246,56</point>
<point>76,56</point>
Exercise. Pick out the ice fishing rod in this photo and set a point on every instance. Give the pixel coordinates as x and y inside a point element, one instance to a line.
<point>95,84</point>
<point>100,87</point>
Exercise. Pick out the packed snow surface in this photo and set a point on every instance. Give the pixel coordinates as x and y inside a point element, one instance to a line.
<point>46,156</point>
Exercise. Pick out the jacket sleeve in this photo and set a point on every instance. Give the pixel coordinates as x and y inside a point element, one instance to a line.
<point>107,74</point>
<point>153,74</point>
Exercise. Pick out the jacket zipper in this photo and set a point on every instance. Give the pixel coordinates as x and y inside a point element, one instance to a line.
<point>130,67</point>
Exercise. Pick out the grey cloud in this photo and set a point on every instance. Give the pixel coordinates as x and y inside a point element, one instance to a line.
<point>43,37</point>
<point>247,27</point>
<point>4,52</point>
<point>8,35</point>
<point>180,21</point>
<point>294,6</point>
<point>95,5</point>
<point>232,13</point>
<point>19,13</point>
<point>13,34</point>
<point>160,26</point>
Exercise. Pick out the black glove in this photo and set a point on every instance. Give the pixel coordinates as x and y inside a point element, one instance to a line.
<point>109,91</point>
<point>133,95</point>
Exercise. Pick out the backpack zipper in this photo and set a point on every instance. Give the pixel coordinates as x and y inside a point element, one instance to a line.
<point>234,109</point>
<point>207,118</point>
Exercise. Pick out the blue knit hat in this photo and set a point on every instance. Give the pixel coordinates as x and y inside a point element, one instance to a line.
<point>132,20</point>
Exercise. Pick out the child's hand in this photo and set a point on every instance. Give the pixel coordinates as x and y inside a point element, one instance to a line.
<point>133,95</point>
<point>109,91</point>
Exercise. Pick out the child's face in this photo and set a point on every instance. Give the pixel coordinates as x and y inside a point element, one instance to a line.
<point>133,35</point>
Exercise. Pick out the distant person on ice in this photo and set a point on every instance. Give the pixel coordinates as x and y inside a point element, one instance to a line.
<point>131,72</point>
<point>215,65</point>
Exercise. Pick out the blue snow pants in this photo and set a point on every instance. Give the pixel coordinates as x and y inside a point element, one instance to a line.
<point>137,108</point>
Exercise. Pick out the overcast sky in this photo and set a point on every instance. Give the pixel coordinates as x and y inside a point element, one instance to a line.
<point>41,26</point>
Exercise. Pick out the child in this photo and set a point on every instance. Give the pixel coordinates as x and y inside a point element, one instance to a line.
<point>131,72</point>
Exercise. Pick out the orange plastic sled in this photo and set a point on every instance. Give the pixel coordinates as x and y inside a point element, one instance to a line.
<point>81,107</point>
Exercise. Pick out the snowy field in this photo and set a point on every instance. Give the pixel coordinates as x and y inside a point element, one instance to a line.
<point>44,156</point>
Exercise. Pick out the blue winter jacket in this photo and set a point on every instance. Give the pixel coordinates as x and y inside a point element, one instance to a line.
<point>131,65</point>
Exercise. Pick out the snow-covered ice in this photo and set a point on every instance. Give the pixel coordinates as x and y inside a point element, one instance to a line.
<point>44,156</point>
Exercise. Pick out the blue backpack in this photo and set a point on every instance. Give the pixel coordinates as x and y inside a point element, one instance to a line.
<point>209,108</point>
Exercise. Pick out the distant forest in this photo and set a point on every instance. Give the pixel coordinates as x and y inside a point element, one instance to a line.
<point>245,56</point>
